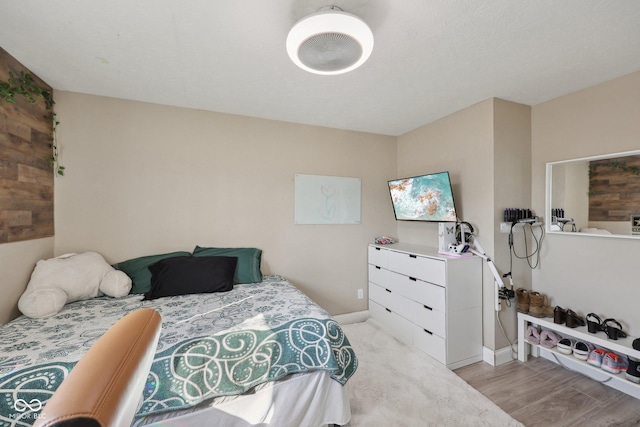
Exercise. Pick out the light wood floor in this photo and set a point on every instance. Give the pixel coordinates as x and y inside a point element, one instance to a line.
<point>542,393</point>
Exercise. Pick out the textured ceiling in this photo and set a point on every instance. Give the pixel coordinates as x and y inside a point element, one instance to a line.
<point>431,57</point>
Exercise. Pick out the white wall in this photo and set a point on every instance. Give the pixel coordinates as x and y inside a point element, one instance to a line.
<point>588,274</point>
<point>144,179</point>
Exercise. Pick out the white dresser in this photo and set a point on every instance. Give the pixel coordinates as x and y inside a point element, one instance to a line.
<point>428,300</point>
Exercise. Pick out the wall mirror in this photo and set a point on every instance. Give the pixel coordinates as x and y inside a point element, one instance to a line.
<point>596,196</point>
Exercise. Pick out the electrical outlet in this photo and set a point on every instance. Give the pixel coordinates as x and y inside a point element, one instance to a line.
<point>360,293</point>
<point>497,296</point>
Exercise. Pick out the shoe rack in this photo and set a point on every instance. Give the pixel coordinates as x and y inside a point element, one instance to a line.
<point>621,346</point>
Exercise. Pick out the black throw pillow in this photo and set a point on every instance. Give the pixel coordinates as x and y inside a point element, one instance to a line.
<point>190,275</point>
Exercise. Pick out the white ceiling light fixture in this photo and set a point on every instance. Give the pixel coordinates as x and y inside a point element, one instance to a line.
<point>329,42</point>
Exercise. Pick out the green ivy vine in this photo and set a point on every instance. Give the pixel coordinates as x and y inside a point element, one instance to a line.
<point>24,85</point>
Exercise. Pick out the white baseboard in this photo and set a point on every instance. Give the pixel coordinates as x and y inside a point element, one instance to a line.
<point>497,357</point>
<point>355,317</point>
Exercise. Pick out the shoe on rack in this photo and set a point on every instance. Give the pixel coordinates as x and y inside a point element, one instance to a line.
<point>633,371</point>
<point>594,323</point>
<point>566,345</point>
<point>573,320</point>
<point>523,300</point>
<point>613,329</point>
<point>582,349</point>
<point>549,339</point>
<point>595,357</point>
<point>613,363</point>
<point>559,315</point>
<point>532,336</point>
<point>538,305</point>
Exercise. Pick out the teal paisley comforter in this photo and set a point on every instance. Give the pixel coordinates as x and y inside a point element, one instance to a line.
<point>211,345</point>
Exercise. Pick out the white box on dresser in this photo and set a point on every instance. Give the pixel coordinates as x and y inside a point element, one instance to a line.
<point>428,300</point>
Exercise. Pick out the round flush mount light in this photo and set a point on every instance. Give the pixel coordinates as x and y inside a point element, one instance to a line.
<point>330,41</point>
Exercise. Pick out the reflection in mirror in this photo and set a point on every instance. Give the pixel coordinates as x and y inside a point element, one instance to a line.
<point>595,195</point>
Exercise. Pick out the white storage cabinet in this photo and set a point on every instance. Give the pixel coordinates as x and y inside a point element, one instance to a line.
<point>428,300</point>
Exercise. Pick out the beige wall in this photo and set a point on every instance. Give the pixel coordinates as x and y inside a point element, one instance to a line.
<point>512,189</point>
<point>144,179</point>
<point>486,149</point>
<point>588,274</point>
<point>17,261</point>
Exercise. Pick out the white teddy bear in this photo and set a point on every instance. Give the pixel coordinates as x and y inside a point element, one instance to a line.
<point>68,278</point>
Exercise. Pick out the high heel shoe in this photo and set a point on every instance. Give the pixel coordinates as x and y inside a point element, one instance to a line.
<point>613,332</point>
<point>559,315</point>
<point>594,323</point>
<point>573,320</point>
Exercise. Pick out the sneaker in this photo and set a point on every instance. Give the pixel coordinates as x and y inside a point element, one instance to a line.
<point>582,349</point>
<point>595,357</point>
<point>633,371</point>
<point>613,363</point>
<point>566,345</point>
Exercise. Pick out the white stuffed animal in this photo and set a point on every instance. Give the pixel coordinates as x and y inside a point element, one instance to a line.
<point>68,278</point>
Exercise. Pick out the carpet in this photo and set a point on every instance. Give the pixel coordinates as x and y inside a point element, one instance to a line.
<point>397,386</point>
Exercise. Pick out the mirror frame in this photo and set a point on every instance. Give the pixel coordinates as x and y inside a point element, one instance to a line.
<point>548,193</point>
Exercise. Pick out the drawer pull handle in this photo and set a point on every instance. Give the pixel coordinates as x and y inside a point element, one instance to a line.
<point>413,279</point>
<point>377,249</point>
<point>388,310</point>
<point>377,267</point>
<point>429,332</point>
<point>427,307</point>
<point>388,290</point>
<point>412,256</point>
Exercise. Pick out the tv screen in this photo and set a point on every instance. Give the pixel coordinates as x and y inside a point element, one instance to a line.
<point>423,198</point>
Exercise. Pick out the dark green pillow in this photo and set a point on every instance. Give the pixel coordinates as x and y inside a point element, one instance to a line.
<point>248,266</point>
<point>137,269</point>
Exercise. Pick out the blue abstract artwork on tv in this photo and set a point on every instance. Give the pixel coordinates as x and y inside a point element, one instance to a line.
<point>423,198</point>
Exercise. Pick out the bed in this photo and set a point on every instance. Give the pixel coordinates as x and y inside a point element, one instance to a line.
<point>259,354</point>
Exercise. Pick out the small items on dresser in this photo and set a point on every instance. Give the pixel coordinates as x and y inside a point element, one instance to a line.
<point>384,240</point>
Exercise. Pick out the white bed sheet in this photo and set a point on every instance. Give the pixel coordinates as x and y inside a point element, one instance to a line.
<point>302,400</point>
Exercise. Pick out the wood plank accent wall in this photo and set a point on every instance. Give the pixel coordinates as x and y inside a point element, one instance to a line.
<point>26,179</point>
<point>614,189</point>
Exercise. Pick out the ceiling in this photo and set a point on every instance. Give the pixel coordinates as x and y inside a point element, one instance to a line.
<point>430,59</point>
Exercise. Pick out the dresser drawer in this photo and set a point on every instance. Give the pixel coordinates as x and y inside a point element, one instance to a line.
<point>379,275</point>
<point>399,327</point>
<point>426,317</point>
<point>378,256</point>
<point>430,343</point>
<point>418,267</point>
<point>388,299</point>
<point>416,290</point>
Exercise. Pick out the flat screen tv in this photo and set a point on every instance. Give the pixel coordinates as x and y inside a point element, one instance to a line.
<point>423,198</point>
